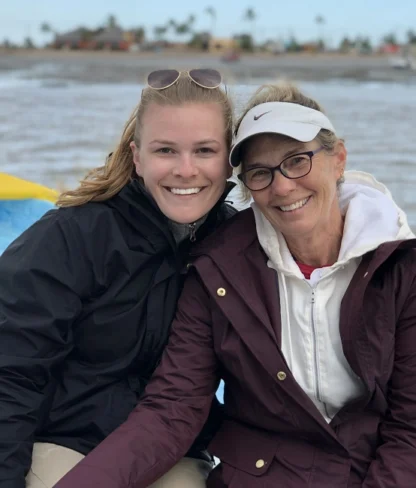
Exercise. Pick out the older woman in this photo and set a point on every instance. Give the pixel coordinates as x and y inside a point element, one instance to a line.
<point>305,305</point>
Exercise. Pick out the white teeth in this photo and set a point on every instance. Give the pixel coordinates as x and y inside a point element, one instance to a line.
<point>185,191</point>
<point>294,206</point>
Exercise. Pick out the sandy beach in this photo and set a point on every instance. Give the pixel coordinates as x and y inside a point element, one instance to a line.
<point>112,67</point>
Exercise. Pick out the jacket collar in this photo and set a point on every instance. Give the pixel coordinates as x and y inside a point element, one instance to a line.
<point>135,195</point>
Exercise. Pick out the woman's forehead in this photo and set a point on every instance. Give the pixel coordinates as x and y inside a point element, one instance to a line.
<point>275,143</point>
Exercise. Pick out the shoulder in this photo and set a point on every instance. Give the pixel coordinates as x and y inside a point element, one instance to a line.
<point>64,230</point>
<point>91,221</point>
<point>396,255</point>
<point>393,269</point>
<point>91,213</point>
<point>404,265</point>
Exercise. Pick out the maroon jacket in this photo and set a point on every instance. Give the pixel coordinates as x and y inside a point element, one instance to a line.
<point>228,326</point>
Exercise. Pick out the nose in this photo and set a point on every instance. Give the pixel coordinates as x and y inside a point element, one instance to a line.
<point>281,185</point>
<point>185,166</point>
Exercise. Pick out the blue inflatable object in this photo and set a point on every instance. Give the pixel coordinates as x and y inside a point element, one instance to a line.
<point>22,203</point>
<point>17,215</point>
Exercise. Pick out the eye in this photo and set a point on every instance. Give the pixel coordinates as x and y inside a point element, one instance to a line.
<point>257,174</point>
<point>297,161</point>
<point>206,150</point>
<point>165,150</point>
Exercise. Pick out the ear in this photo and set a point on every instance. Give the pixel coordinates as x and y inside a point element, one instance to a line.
<point>341,158</point>
<point>136,157</point>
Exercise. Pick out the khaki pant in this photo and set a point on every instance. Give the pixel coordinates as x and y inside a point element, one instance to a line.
<point>51,462</point>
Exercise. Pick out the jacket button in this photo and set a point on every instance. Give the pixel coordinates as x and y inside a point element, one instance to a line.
<point>281,376</point>
<point>221,292</point>
<point>260,463</point>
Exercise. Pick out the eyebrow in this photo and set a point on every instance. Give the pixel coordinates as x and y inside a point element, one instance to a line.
<point>172,143</point>
<point>298,149</point>
<point>208,141</point>
<point>161,141</point>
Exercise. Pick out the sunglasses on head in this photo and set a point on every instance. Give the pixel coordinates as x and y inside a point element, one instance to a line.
<point>164,78</point>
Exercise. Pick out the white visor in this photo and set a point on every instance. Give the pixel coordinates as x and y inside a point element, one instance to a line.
<point>289,119</point>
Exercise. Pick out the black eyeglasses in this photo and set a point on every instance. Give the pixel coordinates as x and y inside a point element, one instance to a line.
<point>293,167</point>
<point>164,78</point>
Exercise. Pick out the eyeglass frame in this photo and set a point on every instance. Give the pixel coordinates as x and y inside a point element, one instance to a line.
<point>188,73</point>
<point>273,169</point>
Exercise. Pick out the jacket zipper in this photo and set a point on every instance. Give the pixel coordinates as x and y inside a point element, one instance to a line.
<point>315,353</point>
<point>192,230</point>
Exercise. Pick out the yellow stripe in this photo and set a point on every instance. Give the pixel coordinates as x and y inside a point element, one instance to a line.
<point>13,188</point>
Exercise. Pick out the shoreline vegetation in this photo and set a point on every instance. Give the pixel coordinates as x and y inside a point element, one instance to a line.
<point>126,67</point>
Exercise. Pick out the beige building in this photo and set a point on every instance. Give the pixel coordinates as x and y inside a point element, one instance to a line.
<point>222,45</point>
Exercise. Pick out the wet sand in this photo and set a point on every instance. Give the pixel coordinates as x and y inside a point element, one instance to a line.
<point>110,67</point>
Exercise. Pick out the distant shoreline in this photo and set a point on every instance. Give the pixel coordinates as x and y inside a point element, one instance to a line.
<point>125,67</point>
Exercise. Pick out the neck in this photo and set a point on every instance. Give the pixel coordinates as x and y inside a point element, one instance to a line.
<point>186,231</point>
<point>321,247</point>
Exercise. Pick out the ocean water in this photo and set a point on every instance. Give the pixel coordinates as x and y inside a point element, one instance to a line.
<point>53,131</point>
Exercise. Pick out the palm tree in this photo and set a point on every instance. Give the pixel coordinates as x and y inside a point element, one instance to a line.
<point>210,11</point>
<point>46,28</point>
<point>182,29</point>
<point>160,31</point>
<point>111,21</point>
<point>320,21</point>
<point>190,22</point>
<point>250,17</point>
<point>171,24</point>
<point>411,36</point>
<point>139,34</point>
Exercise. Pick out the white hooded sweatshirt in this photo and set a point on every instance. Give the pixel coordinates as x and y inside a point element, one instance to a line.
<point>310,309</point>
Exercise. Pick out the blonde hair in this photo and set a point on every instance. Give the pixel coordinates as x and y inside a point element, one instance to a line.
<point>286,92</point>
<point>104,182</point>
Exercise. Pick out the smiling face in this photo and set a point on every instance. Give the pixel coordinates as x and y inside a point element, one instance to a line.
<point>182,158</point>
<point>299,208</point>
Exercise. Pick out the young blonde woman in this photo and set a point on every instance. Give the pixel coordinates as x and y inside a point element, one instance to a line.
<point>305,304</point>
<point>88,293</point>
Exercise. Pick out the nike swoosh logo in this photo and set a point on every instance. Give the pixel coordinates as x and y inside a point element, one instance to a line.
<point>256,117</point>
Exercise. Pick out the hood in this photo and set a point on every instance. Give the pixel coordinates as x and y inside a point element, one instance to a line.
<point>371,218</point>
